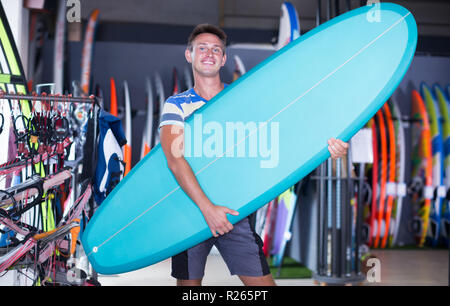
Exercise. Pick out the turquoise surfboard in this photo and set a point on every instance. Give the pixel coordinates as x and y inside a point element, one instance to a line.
<point>327,83</point>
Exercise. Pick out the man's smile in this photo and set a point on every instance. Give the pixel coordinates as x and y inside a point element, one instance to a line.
<point>208,62</point>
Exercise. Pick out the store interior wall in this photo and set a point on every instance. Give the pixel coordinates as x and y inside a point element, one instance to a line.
<point>134,62</point>
<point>431,15</point>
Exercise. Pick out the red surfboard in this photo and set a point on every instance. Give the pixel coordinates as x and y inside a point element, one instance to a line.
<point>390,187</point>
<point>383,177</point>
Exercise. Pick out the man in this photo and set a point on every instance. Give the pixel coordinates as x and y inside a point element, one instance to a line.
<point>239,245</point>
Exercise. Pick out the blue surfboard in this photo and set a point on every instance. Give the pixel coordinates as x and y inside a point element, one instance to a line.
<point>444,110</point>
<point>289,28</point>
<point>290,104</point>
<point>437,147</point>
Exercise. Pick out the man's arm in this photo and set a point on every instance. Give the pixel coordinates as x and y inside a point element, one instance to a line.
<point>172,143</point>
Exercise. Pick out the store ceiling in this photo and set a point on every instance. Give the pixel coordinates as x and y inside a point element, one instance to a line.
<point>431,15</point>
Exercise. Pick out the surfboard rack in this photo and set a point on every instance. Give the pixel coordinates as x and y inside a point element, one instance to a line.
<point>91,104</point>
<point>339,223</point>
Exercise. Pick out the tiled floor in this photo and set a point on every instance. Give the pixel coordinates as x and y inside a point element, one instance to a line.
<point>409,268</point>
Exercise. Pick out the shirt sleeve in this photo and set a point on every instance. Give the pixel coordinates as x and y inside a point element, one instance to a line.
<point>172,114</point>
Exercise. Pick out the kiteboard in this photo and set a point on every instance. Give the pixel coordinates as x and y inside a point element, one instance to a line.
<point>12,79</point>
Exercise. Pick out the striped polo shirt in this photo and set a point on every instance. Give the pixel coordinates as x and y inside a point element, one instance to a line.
<point>179,107</point>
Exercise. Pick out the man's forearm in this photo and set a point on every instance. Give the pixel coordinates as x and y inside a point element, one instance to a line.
<point>188,182</point>
<point>215,215</point>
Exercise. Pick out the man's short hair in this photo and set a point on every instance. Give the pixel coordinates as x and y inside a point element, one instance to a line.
<point>207,28</point>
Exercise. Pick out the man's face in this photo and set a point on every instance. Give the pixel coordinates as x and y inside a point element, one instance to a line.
<point>207,56</point>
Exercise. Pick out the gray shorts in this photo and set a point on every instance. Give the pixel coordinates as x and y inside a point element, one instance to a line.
<point>241,250</point>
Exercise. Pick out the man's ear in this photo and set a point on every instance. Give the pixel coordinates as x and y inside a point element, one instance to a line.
<point>224,59</point>
<point>188,56</point>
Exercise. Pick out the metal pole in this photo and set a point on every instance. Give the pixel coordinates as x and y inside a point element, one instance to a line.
<point>359,215</point>
<point>321,258</point>
<point>328,9</point>
<point>319,12</point>
<point>68,99</point>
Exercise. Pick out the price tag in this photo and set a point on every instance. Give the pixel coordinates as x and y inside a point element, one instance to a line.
<point>401,189</point>
<point>428,192</point>
<point>391,189</point>
<point>441,192</point>
<point>361,147</point>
